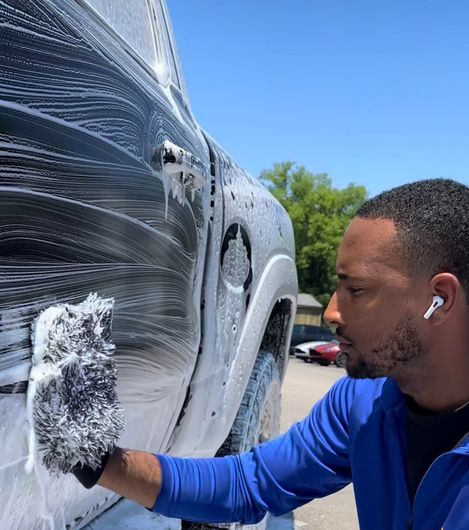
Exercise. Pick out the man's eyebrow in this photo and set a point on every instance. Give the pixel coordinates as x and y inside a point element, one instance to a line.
<point>345,277</point>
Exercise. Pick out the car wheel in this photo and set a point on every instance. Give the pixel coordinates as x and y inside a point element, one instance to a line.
<point>258,420</point>
<point>340,359</point>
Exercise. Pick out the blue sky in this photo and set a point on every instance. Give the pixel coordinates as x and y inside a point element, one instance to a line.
<point>374,92</point>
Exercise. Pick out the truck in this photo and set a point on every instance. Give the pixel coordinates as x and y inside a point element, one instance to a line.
<point>109,185</point>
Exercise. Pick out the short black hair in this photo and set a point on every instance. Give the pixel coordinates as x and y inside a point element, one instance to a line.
<point>432,222</point>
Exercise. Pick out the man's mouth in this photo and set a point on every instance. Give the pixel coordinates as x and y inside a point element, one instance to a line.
<point>344,346</point>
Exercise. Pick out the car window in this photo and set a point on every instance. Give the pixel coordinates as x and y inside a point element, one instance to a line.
<point>298,330</point>
<point>135,23</point>
<point>313,332</point>
<point>325,334</point>
<point>165,32</point>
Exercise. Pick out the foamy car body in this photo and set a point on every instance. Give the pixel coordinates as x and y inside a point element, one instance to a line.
<point>109,185</point>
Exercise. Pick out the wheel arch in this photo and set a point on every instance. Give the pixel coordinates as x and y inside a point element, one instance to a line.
<point>277,333</point>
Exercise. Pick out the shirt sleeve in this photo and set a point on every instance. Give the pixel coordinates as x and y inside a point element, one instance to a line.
<point>311,460</point>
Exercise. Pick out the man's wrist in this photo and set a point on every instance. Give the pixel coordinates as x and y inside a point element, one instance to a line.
<point>88,476</point>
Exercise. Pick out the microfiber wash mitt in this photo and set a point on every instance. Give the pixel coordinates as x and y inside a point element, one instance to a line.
<point>73,410</point>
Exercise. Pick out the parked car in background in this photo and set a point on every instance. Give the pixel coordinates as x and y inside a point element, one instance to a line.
<point>108,184</point>
<point>324,353</point>
<point>303,351</point>
<point>305,333</point>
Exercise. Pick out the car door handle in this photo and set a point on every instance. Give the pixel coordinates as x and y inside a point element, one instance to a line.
<point>180,166</point>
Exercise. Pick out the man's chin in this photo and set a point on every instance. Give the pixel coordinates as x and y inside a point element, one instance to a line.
<point>358,369</point>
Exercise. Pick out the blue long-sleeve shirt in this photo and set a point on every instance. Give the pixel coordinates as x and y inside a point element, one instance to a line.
<point>356,433</point>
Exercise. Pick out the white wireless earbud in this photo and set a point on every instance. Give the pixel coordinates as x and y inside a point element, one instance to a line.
<point>438,301</point>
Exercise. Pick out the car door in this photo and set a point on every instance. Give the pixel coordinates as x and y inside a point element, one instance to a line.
<point>102,189</point>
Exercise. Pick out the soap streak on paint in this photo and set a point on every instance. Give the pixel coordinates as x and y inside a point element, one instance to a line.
<point>14,462</point>
<point>82,209</point>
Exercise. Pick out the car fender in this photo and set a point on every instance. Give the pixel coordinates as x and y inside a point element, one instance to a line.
<point>203,437</point>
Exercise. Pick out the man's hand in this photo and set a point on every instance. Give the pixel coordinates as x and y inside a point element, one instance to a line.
<point>135,475</point>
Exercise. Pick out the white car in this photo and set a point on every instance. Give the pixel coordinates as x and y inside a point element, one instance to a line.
<point>302,351</point>
<point>323,353</point>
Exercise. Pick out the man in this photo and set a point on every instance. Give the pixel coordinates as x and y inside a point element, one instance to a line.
<point>397,427</point>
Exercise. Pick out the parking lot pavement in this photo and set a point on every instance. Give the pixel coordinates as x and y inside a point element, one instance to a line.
<point>303,386</point>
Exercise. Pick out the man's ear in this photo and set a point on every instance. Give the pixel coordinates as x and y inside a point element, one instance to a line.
<point>444,286</point>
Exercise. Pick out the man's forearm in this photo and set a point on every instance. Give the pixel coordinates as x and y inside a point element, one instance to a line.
<point>135,475</point>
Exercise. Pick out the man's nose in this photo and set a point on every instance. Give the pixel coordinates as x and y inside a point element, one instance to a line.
<point>332,315</point>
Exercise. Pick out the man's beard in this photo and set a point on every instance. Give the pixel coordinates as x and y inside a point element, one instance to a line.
<point>402,346</point>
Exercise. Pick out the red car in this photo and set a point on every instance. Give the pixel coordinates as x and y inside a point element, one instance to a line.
<point>328,353</point>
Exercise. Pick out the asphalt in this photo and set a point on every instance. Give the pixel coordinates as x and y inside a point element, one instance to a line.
<point>303,386</point>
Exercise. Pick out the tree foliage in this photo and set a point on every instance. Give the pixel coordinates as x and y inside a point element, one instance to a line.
<point>320,215</point>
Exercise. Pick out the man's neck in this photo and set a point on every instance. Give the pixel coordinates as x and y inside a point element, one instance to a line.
<point>436,389</point>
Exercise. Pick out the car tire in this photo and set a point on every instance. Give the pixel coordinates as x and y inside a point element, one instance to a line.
<point>340,359</point>
<point>258,420</point>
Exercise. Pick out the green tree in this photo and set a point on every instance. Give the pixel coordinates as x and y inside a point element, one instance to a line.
<point>320,214</point>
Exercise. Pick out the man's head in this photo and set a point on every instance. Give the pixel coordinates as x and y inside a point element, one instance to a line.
<point>404,247</point>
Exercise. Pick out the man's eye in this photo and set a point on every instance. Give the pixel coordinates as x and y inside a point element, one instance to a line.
<point>355,291</point>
